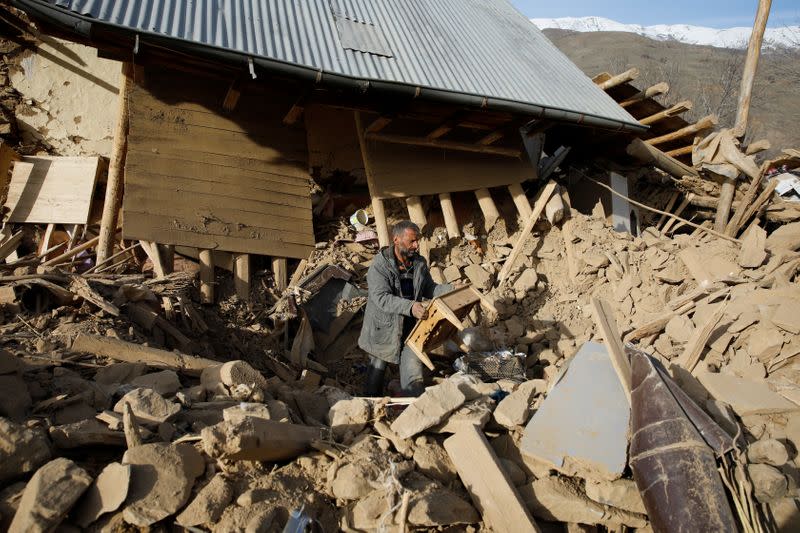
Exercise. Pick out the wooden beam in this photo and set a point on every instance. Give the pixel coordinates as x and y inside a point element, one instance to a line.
<point>447,126</point>
<point>446,145</point>
<point>378,210</point>
<point>607,327</point>
<point>295,112</point>
<point>241,276</point>
<point>280,271</point>
<point>619,79</point>
<point>450,221</point>
<point>72,253</point>
<point>487,482</point>
<point>726,193</point>
<point>116,168</point>
<point>206,276</point>
<point>703,124</point>
<point>653,156</point>
<point>677,109</point>
<point>520,200</point>
<point>417,215</point>
<point>378,124</point>
<point>488,208</point>
<point>10,246</point>
<point>492,138</point>
<point>686,150</point>
<point>650,92</point>
<point>128,352</point>
<point>538,207</point>
<point>750,66</point>
<point>753,208</point>
<point>232,96</point>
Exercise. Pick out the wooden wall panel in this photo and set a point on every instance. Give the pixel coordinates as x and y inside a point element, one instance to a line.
<point>198,176</point>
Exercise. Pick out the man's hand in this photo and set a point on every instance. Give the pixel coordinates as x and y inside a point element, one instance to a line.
<point>458,284</point>
<point>418,310</point>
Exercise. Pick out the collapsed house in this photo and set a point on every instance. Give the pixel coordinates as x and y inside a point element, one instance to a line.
<point>246,148</point>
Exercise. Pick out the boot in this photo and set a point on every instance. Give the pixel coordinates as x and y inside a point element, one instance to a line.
<point>373,385</point>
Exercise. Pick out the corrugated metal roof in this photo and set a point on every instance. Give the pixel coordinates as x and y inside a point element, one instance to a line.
<point>477,47</point>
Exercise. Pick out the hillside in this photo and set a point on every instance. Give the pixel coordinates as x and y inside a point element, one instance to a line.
<point>706,75</point>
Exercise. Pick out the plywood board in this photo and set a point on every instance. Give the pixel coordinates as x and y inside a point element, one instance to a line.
<point>202,177</point>
<point>52,190</point>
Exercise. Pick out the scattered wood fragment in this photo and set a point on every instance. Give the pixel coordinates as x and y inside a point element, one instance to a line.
<point>697,343</point>
<point>130,427</point>
<point>607,325</point>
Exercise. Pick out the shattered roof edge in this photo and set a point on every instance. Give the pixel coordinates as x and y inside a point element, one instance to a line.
<point>81,25</point>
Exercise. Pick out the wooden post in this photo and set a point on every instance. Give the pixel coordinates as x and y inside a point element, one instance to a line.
<point>167,253</point>
<point>750,66</point>
<point>417,215</point>
<point>728,188</point>
<point>520,200</point>
<point>115,184</point>
<point>281,273</point>
<point>449,215</point>
<point>488,208</point>
<point>241,276</point>
<point>206,276</point>
<point>381,227</point>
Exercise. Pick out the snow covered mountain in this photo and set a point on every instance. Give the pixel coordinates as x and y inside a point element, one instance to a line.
<point>787,36</point>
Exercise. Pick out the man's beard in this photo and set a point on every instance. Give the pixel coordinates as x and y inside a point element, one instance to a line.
<point>406,253</point>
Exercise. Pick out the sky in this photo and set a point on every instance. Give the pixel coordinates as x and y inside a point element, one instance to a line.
<point>712,13</point>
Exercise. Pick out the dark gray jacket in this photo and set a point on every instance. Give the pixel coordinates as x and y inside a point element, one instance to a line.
<point>383,317</point>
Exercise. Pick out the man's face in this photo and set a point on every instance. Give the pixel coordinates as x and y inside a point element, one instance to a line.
<point>407,245</point>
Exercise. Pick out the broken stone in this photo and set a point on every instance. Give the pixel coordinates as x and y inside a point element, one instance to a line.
<point>255,439</point>
<point>769,484</point>
<point>403,446</point>
<point>765,343</point>
<point>786,237</point>
<point>515,409</point>
<point>9,503</point>
<point>166,382</point>
<point>746,397</point>
<point>596,261</point>
<point>221,379</point>
<point>769,452</point>
<point>106,494</point>
<point>14,397</point>
<point>49,496</point>
<point>451,274</point>
<point>353,481</point>
<point>118,373</point>
<point>786,514</point>
<point>433,461</point>
<point>208,505</point>
<point>162,477</point>
<point>475,413</point>
<point>622,494</point>
<point>348,418</point>
<point>723,415</point>
<point>429,409</point>
<point>526,281</point>
<point>440,507</point>
<point>515,328</point>
<point>238,413</point>
<point>89,432</point>
<point>753,254</point>
<point>8,363</point>
<point>148,406</point>
<point>22,450</point>
<point>793,430</point>
<point>313,407</point>
<point>478,277</point>
<point>561,499</point>
<point>787,317</point>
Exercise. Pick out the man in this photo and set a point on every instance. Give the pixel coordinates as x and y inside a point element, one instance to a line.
<point>398,280</point>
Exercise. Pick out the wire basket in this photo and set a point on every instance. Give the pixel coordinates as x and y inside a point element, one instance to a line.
<point>493,366</point>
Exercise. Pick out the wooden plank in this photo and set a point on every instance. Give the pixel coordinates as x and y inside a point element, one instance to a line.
<point>10,245</point>
<point>269,244</point>
<point>487,482</point>
<point>449,215</point>
<point>538,207</point>
<point>488,208</point>
<point>378,124</point>
<point>71,253</point>
<point>607,326</point>
<point>241,276</point>
<point>446,145</point>
<point>206,277</point>
<point>400,171</point>
<point>52,190</point>
<point>697,342</point>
